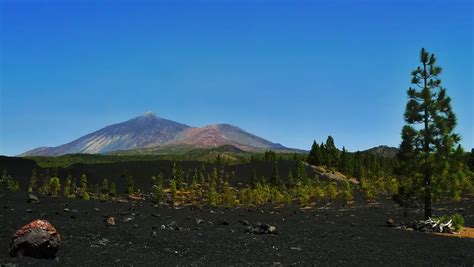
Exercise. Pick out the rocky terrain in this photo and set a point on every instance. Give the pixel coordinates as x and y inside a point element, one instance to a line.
<point>149,234</point>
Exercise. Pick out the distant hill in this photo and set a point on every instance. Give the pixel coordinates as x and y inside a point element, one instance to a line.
<point>383,151</point>
<point>149,133</point>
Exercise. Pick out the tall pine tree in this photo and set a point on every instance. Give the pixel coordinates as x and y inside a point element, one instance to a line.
<point>428,138</point>
<point>315,155</point>
<point>332,154</point>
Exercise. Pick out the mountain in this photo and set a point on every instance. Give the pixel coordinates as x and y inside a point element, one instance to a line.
<point>149,132</point>
<point>383,151</point>
<point>223,134</point>
<point>139,132</point>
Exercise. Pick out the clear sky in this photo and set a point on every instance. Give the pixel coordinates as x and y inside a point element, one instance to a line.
<point>288,71</point>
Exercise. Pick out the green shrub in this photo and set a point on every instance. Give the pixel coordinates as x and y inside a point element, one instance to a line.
<point>12,185</point>
<point>33,181</point>
<point>68,188</point>
<point>54,186</point>
<point>332,190</point>
<point>227,198</point>
<point>113,189</point>
<point>458,222</point>
<point>158,187</point>
<point>130,186</point>
<point>173,191</point>
<point>84,193</point>
<point>105,186</point>
<point>346,191</point>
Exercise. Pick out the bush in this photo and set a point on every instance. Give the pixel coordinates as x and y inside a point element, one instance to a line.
<point>173,191</point>
<point>130,186</point>
<point>158,187</point>
<point>12,185</point>
<point>105,186</point>
<point>68,190</point>
<point>346,192</point>
<point>227,198</point>
<point>458,222</point>
<point>113,189</point>
<point>33,181</point>
<point>332,190</point>
<point>456,219</point>
<point>85,194</point>
<point>54,186</point>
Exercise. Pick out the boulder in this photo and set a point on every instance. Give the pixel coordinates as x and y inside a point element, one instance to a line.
<point>38,239</point>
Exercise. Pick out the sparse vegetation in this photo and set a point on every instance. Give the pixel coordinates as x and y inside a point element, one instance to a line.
<point>54,186</point>
<point>130,185</point>
<point>84,193</point>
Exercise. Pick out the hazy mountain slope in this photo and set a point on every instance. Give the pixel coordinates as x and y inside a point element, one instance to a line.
<point>222,134</point>
<point>139,132</point>
<point>149,131</point>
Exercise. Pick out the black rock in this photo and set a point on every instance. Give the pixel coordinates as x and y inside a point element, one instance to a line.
<point>223,222</point>
<point>173,226</point>
<point>38,239</point>
<point>261,229</point>
<point>244,222</point>
<point>32,198</point>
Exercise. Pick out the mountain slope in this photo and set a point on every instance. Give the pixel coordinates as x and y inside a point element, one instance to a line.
<point>139,132</point>
<point>149,131</point>
<point>222,134</point>
<point>383,151</point>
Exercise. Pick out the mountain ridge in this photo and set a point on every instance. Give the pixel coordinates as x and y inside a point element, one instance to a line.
<point>150,131</point>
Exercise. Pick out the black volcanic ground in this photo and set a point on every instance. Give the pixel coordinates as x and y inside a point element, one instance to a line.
<point>326,235</point>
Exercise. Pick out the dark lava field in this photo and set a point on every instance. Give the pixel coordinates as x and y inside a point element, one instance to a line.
<point>150,235</point>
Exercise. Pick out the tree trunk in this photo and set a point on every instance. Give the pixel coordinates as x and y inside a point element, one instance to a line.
<point>426,148</point>
<point>427,194</point>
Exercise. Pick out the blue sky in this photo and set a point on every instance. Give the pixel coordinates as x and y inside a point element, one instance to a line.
<point>289,72</point>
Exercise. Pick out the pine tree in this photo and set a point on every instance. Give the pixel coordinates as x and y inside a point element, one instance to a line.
<point>105,186</point>
<point>130,185</point>
<point>202,175</point>
<point>33,181</point>
<point>195,179</point>
<point>301,174</point>
<point>54,186</point>
<point>68,190</point>
<point>428,138</point>
<point>291,179</point>
<point>315,156</point>
<point>113,189</point>
<point>344,164</point>
<point>158,187</point>
<point>470,161</point>
<point>275,178</point>
<point>332,154</point>
<point>173,191</point>
<point>253,179</point>
<point>85,194</point>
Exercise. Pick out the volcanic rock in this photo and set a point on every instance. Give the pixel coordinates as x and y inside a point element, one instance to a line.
<point>38,239</point>
<point>261,229</point>
<point>390,222</point>
<point>32,198</point>
<point>110,221</point>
